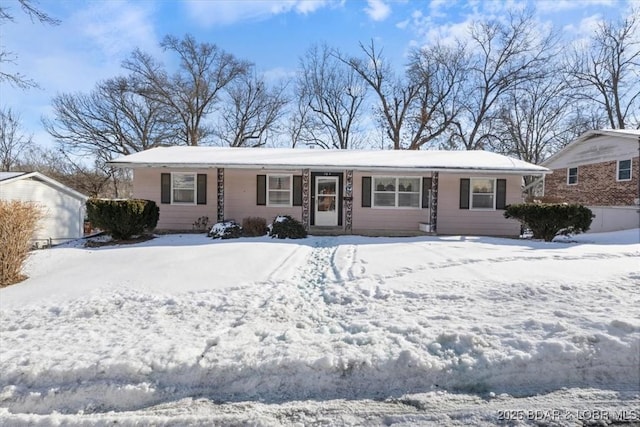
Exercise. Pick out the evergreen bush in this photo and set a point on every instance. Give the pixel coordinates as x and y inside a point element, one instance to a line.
<point>226,230</point>
<point>286,227</point>
<point>123,219</point>
<point>547,220</point>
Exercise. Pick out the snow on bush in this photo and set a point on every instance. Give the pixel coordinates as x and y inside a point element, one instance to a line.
<point>287,227</point>
<point>226,230</point>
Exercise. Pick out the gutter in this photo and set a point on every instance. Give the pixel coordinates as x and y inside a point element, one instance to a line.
<point>330,168</point>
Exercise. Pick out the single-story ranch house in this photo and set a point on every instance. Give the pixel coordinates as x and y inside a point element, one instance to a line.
<point>339,191</point>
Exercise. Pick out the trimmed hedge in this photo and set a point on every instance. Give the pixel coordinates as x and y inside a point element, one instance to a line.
<point>123,219</point>
<point>254,226</point>
<point>547,220</point>
<point>286,227</point>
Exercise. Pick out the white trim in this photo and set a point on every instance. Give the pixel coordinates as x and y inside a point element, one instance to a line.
<point>569,175</point>
<point>323,215</point>
<point>280,205</point>
<point>195,189</point>
<point>494,194</point>
<point>396,192</point>
<point>630,170</point>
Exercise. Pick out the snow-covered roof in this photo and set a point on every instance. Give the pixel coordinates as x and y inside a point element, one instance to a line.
<point>8,177</point>
<point>289,158</point>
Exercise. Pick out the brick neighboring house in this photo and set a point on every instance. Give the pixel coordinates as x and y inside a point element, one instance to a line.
<point>599,169</point>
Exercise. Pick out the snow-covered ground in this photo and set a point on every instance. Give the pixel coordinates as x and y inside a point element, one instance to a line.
<point>186,330</point>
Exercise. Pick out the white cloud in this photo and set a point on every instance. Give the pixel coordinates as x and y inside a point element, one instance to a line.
<point>88,46</point>
<point>553,6</point>
<point>227,12</point>
<point>116,28</point>
<point>377,10</point>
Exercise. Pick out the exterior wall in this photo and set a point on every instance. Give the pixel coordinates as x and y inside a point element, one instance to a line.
<point>453,220</point>
<point>146,185</point>
<point>240,196</point>
<point>384,219</point>
<point>240,202</point>
<point>63,214</point>
<point>613,218</point>
<point>597,185</point>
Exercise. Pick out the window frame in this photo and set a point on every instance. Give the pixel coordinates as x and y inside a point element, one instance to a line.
<point>630,169</point>
<point>569,176</point>
<point>493,193</point>
<point>195,188</point>
<point>396,192</point>
<point>269,190</point>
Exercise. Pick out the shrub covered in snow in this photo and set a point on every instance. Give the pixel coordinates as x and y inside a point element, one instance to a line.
<point>18,221</point>
<point>254,226</point>
<point>547,220</point>
<point>226,230</point>
<point>123,219</point>
<point>286,227</point>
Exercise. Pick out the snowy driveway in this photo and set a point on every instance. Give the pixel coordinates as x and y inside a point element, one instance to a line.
<point>453,328</point>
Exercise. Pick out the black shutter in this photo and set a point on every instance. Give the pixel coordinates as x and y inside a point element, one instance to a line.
<point>426,190</point>
<point>202,189</point>
<point>366,191</point>
<point>165,188</point>
<point>501,193</point>
<point>261,198</point>
<point>297,190</point>
<point>464,193</point>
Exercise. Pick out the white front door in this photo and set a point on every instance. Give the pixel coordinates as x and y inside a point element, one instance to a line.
<point>326,210</point>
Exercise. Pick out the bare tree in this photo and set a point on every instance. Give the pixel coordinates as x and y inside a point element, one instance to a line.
<point>531,120</point>
<point>249,111</point>
<point>13,141</point>
<point>193,91</point>
<point>96,179</point>
<point>607,71</point>
<point>417,108</point>
<point>502,54</point>
<point>17,79</point>
<point>334,94</point>
<point>113,118</point>
<point>299,122</point>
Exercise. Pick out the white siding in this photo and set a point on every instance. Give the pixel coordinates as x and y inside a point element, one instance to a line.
<point>598,149</point>
<point>614,218</point>
<point>63,213</point>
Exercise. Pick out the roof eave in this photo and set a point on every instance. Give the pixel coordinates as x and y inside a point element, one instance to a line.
<point>519,171</point>
<point>49,181</point>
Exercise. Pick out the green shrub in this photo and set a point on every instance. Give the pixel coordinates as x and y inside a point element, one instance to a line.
<point>254,226</point>
<point>18,222</point>
<point>547,220</point>
<point>226,230</point>
<point>286,227</point>
<point>123,219</point>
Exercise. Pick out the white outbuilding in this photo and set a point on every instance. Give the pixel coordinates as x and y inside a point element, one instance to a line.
<point>63,207</point>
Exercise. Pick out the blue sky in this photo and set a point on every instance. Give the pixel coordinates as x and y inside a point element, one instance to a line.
<point>95,36</point>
